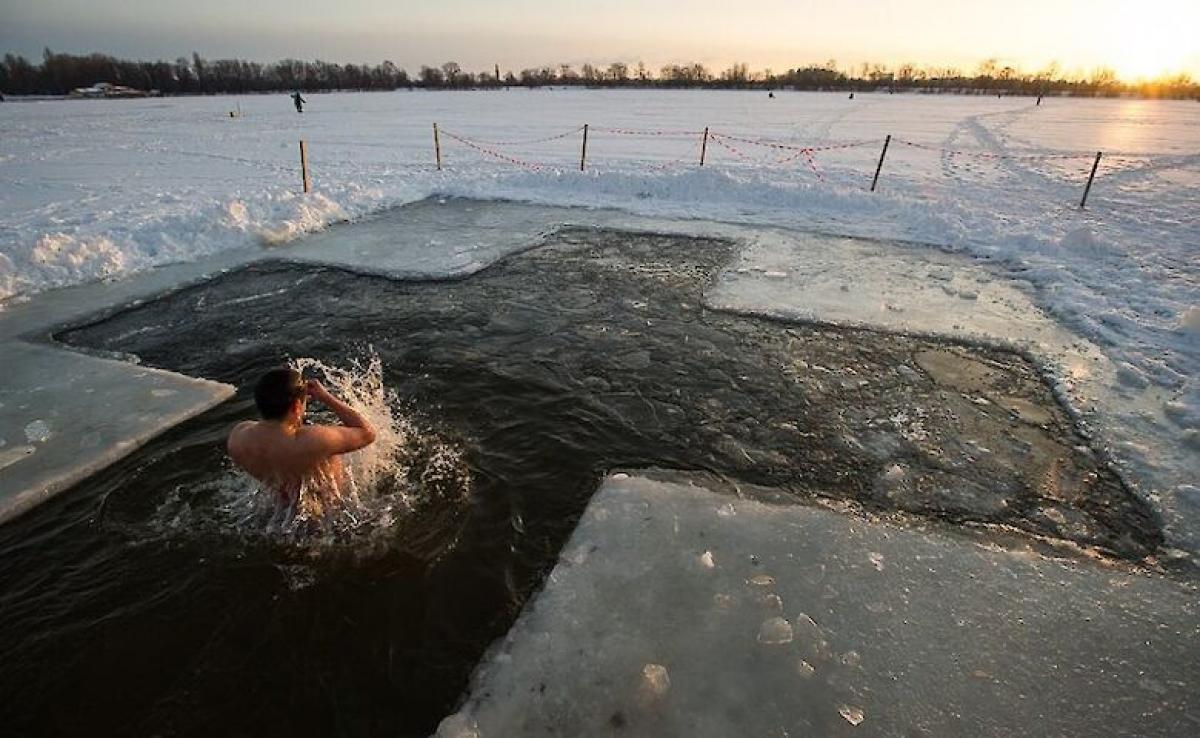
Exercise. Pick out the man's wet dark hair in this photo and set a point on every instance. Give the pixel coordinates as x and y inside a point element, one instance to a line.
<point>276,391</point>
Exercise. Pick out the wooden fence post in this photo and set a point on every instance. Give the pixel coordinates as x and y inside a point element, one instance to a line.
<point>304,166</point>
<point>583,151</point>
<point>437,147</point>
<point>1086,190</point>
<point>879,166</point>
<point>704,146</point>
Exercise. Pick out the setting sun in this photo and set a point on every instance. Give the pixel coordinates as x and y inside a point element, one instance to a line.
<point>1148,40</point>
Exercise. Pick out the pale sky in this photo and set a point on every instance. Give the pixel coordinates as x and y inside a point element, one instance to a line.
<point>1136,39</point>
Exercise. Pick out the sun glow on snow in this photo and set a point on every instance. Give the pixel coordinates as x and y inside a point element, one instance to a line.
<point>1151,39</point>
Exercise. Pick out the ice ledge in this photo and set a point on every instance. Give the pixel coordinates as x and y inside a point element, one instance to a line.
<point>677,611</point>
<point>65,415</point>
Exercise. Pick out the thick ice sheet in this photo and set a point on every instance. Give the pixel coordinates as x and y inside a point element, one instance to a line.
<point>675,611</point>
<point>64,415</point>
<point>436,238</point>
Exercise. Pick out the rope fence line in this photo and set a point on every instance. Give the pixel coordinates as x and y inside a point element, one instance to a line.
<point>731,143</point>
<point>739,154</point>
<point>774,144</point>
<point>496,154</point>
<point>990,154</point>
<point>799,152</point>
<point>528,142</point>
<point>644,132</point>
<point>812,164</point>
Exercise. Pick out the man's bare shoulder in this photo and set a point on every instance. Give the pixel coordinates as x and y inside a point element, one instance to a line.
<point>243,427</point>
<point>316,432</point>
<point>333,439</point>
<point>239,433</point>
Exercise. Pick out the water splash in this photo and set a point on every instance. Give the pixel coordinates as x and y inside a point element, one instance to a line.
<point>384,484</point>
<point>404,464</point>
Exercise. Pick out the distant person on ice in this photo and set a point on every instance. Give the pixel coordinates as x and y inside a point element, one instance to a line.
<point>283,453</point>
<point>299,101</point>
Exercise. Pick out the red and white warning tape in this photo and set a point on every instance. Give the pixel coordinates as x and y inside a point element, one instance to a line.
<point>531,141</point>
<point>503,157</point>
<point>641,132</point>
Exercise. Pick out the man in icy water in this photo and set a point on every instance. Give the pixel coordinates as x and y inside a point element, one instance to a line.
<point>283,453</point>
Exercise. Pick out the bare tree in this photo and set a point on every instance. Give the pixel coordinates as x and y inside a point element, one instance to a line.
<point>431,77</point>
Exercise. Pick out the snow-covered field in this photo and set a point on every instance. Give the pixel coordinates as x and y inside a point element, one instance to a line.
<point>100,189</point>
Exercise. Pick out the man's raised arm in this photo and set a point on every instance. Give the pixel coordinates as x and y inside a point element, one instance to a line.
<point>354,433</point>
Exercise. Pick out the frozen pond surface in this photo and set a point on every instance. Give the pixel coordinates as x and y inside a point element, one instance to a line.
<point>615,322</point>
<point>609,346</point>
<point>677,611</point>
<point>1139,424</point>
<point>93,190</point>
<point>913,290</point>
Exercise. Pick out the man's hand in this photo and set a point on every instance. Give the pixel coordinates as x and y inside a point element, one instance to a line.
<point>356,432</point>
<point>316,390</point>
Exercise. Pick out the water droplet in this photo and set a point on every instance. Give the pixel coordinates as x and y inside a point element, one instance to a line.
<point>805,669</point>
<point>762,580</point>
<point>876,560</point>
<point>706,560</point>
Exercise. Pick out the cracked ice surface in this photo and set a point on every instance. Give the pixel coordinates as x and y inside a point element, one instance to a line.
<point>812,622</point>
<point>1145,417</point>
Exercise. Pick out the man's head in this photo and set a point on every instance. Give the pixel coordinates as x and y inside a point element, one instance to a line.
<point>279,393</point>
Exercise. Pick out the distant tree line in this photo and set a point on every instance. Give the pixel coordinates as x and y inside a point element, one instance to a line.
<point>58,74</point>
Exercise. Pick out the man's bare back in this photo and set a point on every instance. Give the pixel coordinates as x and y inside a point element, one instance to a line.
<point>283,453</point>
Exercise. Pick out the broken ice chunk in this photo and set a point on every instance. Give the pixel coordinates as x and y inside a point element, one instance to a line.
<point>771,601</point>
<point>853,715</point>
<point>813,646</point>
<point>457,726</point>
<point>775,631</point>
<point>655,684</point>
<point>37,432</point>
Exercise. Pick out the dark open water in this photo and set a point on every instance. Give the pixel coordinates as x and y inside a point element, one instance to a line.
<point>122,615</point>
